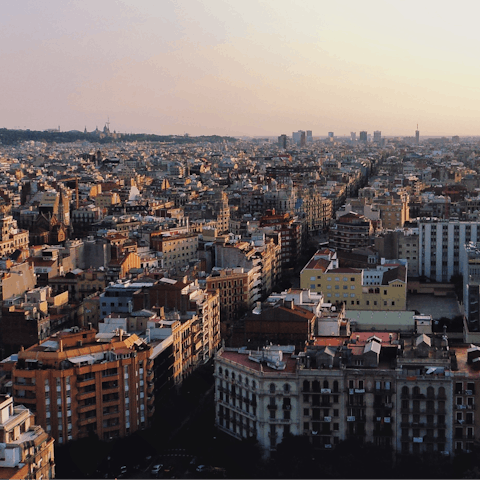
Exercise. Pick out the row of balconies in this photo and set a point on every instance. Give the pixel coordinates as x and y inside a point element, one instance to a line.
<point>422,396</point>
<point>252,415</point>
<point>427,411</point>
<point>422,425</point>
<point>425,438</point>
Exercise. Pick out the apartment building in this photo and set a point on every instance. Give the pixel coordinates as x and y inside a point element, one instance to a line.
<point>381,288</point>
<point>239,289</point>
<point>351,231</point>
<point>26,450</point>
<point>77,384</point>
<point>442,247</point>
<point>12,238</point>
<point>290,235</point>
<point>177,250</point>
<point>410,392</point>
<point>394,210</point>
<point>259,252</point>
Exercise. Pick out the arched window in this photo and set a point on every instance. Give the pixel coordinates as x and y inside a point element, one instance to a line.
<point>405,391</point>
<point>335,386</point>
<point>272,388</point>
<point>220,370</point>
<point>416,391</point>
<point>254,385</point>
<point>239,379</point>
<point>306,386</point>
<point>430,392</point>
<point>316,386</point>
<point>325,384</point>
<point>233,375</point>
<point>441,392</point>
<point>226,373</point>
<point>286,388</point>
<point>246,381</point>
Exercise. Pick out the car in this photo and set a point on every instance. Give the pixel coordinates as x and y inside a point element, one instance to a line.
<point>156,469</point>
<point>123,471</point>
<point>202,468</point>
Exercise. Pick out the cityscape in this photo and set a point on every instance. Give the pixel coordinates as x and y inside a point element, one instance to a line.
<point>239,240</point>
<point>321,288</point>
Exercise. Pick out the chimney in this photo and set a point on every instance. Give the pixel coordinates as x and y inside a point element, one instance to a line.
<point>120,334</point>
<point>60,343</point>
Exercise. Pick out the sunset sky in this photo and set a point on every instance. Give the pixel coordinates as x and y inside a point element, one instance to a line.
<point>241,67</point>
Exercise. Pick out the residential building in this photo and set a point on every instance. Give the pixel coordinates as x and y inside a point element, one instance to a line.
<point>77,384</point>
<point>351,231</point>
<point>26,450</point>
<point>442,247</point>
<point>177,250</point>
<point>239,290</point>
<point>402,392</point>
<point>381,288</point>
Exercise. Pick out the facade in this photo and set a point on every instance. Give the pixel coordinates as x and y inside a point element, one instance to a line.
<point>239,289</point>
<point>177,250</point>
<point>351,231</point>
<point>76,385</point>
<point>381,288</point>
<point>471,285</point>
<point>442,247</point>
<point>26,450</point>
<point>398,392</point>
<point>290,235</point>
<point>12,238</point>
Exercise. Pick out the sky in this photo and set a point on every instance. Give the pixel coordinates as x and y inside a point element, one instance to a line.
<point>241,67</point>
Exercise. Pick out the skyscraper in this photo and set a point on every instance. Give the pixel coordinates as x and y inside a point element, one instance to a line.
<point>363,137</point>
<point>377,136</point>
<point>309,136</point>
<point>282,141</point>
<point>303,138</point>
<point>417,135</point>
<point>353,136</point>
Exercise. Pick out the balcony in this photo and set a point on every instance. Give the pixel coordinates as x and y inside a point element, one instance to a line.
<point>86,408</point>
<point>86,421</point>
<point>84,395</point>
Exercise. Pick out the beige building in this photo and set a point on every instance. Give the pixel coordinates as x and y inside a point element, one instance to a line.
<point>403,392</point>
<point>177,250</point>
<point>26,450</point>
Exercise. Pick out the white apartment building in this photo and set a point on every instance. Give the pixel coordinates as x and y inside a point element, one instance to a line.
<point>442,247</point>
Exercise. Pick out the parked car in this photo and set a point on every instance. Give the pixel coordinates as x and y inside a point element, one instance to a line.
<point>156,469</point>
<point>203,468</point>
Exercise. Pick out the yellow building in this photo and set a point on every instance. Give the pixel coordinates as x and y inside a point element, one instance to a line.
<point>107,199</point>
<point>380,288</point>
<point>394,211</point>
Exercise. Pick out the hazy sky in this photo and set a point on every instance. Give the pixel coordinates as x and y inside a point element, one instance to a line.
<point>241,67</point>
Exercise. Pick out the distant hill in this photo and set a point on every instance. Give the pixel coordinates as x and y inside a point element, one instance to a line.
<point>12,137</point>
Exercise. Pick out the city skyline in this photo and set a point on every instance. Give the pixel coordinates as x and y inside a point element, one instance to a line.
<point>250,69</point>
